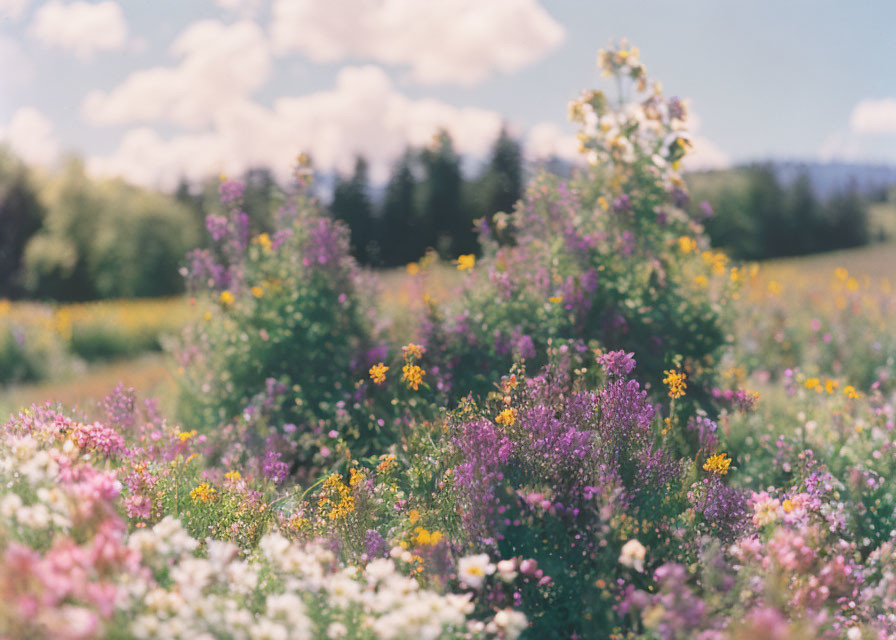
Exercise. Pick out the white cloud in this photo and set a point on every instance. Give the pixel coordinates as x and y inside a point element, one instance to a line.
<point>220,65</point>
<point>704,155</point>
<point>30,134</point>
<point>12,9</point>
<point>362,114</point>
<point>80,27</point>
<point>870,136</point>
<point>451,41</point>
<point>245,8</point>
<point>874,116</point>
<point>17,67</point>
<point>548,139</point>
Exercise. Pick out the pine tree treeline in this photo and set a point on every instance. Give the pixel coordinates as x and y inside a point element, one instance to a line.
<point>757,216</point>
<point>427,202</point>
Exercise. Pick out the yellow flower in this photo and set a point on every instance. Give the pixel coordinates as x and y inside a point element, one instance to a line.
<point>413,375</point>
<point>466,261</point>
<point>701,281</point>
<point>841,274</point>
<point>386,462</point>
<point>227,298</point>
<point>830,385</point>
<point>555,299</point>
<point>378,373</point>
<point>346,504</point>
<point>412,350</point>
<point>426,538</point>
<point>204,492</point>
<point>850,392</point>
<point>355,477</point>
<point>186,435</point>
<point>676,381</point>
<point>718,463</point>
<point>233,476</point>
<point>812,383</point>
<point>774,288</point>
<point>413,516</point>
<point>257,291</point>
<point>413,268</point>
<point>264,240</point>
<point>687,244</point>
<point>507,416</point>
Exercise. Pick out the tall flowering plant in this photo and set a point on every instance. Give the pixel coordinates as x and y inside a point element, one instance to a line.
<point>608,260</point>
<point>279,360</point>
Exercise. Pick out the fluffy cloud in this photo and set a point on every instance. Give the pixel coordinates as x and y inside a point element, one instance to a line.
<point>219,66</point>
<point>362,114</point>
<point>30,134</point>
<point>80,27</point>
<point>12,9</point>
<point>704,155</point>
<point>452,41</point>
<point>870,137</point>
<point>547,140</point>
<point>874,116</point>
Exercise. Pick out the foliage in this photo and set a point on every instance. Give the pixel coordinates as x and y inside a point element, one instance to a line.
<point>755,216</point>
<point>105,239</point>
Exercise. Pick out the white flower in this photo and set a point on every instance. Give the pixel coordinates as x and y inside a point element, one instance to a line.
<point>472,570</point>
<point>511,622</point>
<point>632,555</point>
<point>854,634</point>
<point>336,630</point>
<point>507,570</point>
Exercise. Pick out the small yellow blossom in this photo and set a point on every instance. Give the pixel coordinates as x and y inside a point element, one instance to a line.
<point>507,416</point>
<point>386,462</point>
<point>413,268</point>
<point>701,281</point>
<point>378,373</point>
<point>233,476</point>
<point>264,240</point>
<point>774,288</point>
<point>830,385</point>
<point>355,477</point>
<point>686,244</point>
<point>465,262</point>
<point>346,504</point>
<point>812,383</point>
<point>413,375</point>
<point>412,350</point>
<point>718,463</point>
<point>204,492</point>
<point>555,299</point>
<point>183,436</point>
<point>841,274</point>
<point>424,538</point>
<point>676,381</point>
<point>257,291</point>
<point>227,298</point>
<point>413,516</point>
<point>787,505</point>
<point>850,392</point>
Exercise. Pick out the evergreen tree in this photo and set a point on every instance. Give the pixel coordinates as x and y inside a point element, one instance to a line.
<point>447,223</point>
<point>402,236</point>
<point>502,183</point>
<point>351,204</point>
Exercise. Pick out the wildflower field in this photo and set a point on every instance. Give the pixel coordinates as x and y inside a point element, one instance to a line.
<point>599,428</point>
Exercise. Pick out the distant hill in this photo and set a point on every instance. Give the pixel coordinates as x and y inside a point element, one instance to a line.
<point>830,177</point>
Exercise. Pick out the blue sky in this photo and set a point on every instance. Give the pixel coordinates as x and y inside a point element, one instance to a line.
<point>155,89</point>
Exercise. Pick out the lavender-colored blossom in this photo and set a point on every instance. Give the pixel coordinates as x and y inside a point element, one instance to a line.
<point>273,468</point>
<point>231,190</point>
<point>617,363</point>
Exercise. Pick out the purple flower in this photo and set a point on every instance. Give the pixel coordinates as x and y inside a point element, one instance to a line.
<point>231,190</point>
<point>617,363</point>
<point>273,468</point>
